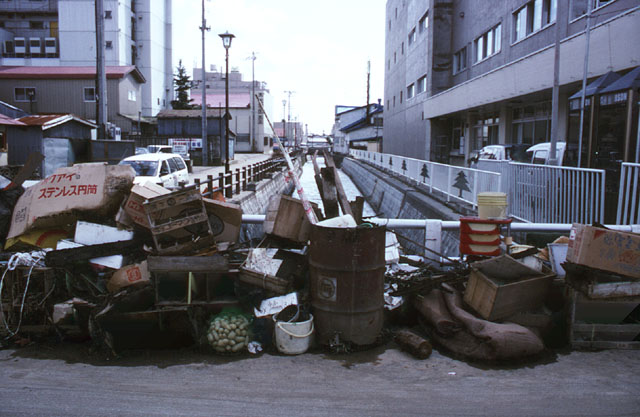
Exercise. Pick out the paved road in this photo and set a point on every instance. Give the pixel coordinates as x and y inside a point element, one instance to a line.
<point>383,382</point>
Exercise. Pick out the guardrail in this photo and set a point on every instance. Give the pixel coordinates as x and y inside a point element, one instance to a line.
<point>237,181</point>
<point>628,196</point>
<point>536,193</point>
<point>551,194</point>
<point>457,183</point>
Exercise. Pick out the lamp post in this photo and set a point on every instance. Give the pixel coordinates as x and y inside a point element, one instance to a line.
<point>226,42</point>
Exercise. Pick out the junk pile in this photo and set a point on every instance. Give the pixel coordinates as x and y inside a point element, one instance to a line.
<point>88,255</point>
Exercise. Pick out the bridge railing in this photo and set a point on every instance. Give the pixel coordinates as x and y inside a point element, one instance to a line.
<point>628,196</point>
<point>455,183</point>
<point>536,193</point>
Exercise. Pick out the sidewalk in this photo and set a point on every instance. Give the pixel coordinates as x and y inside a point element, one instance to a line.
<point>241,160</point>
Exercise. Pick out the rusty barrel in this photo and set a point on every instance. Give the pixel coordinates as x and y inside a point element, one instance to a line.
<point>347,283</point>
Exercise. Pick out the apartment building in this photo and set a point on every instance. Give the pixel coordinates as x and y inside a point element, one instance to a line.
<point>462,74</point>
<point>252,130</point>
<point>44,33</point>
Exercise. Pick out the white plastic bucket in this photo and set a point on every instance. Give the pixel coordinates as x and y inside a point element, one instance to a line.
<point>293,338</point>
<point>492,205</point>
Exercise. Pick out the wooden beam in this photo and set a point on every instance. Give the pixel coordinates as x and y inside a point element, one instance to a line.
<point>210,264</point>
<point>342,196</point>
<point>64,257</point>
<point>357,206</point>
<point>330,196</point>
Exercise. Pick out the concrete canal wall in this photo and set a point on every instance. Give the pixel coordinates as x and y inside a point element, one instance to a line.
<point>392,198</point>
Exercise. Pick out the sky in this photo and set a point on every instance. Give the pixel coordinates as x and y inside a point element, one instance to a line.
<point>317,49</point>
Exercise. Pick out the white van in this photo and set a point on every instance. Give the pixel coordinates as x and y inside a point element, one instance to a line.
<point>165,169</point>
<point>539,154</point>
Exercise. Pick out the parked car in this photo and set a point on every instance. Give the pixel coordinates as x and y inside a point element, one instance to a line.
<point>502,152</point>
<point>566,155</point>
<point>165,169</point>
<point>160,149</point>
<point>140,151</point>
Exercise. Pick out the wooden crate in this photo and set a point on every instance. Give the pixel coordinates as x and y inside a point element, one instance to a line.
<point>500,287</point>
<point>286,218</point>
<point>606,331</point>
<point>179,222</point>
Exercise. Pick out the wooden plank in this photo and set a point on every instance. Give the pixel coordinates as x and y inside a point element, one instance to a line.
<point>211,264</point>
<point>64,257</point>
<point>357,206</point>
<point>330,196</point>
<point>342,196</point>
<point>601,344</point>
<point>614,289</point>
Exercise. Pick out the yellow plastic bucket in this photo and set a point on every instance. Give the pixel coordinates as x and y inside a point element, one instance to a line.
<point>492,205</point>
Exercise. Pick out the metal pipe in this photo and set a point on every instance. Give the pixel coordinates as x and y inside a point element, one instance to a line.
<point>455,225</point>
<point>585,75</point>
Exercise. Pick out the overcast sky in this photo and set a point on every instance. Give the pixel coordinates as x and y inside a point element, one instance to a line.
<point>318,49</point>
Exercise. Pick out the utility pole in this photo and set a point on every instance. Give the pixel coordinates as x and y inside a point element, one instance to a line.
<point>368,78</point>
<point>585,75</point>
<point>284,119</point>
<point>289,116</point>
<point>205,142</point>
<point>253,129</point>
<point>101,75</point>
<point>555,96</point>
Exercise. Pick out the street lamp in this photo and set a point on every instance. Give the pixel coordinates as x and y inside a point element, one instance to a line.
<point>226,42</point>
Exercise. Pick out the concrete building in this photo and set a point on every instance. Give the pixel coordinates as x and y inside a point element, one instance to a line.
<point>62,33</point>
<point>357,128</point>
<point>462,74</point>
<point>254,133</point>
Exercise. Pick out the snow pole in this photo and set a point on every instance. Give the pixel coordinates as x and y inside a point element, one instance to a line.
<point>311,215</point>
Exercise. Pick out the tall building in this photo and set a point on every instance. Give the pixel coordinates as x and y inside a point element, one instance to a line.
<point>253,133</point>
<point>62,33</point>
<point>462,74</point>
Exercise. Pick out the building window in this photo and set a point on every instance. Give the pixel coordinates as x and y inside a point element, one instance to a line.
<point>533,16</point>
<point>485,132</point>
<point>27,94</point>
<point>131,95</point>
<point>388,64</point>
<point>412,37</point>
<point>134,54</point>
<point>422,84</point>
<point>394,101</point>
<point>35,24</point>
<point>488,43</point>
<point>109,44</point>
<point>402,48</point>
<point>400,97</point>
<point>423,24</point>
<point>460,60</point>
<point>107,14</point>
<point>395,58</point>
<point>389,24</point>
<point>411,91</point>
<point>388,104</point>
<point>89,94</point>
<point>531,124</point>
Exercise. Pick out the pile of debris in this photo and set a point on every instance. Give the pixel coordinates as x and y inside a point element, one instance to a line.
<point>91,256</point>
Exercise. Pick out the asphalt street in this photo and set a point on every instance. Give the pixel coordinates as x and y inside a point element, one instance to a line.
<point>67,380</point>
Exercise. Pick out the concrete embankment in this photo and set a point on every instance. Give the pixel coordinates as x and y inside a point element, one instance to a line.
<point>395,199</point>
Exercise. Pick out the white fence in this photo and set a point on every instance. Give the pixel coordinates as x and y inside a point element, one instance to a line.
<point>550,194</point>
<point>457,183</point>
<point>536,193</point>
<point>628,196</point>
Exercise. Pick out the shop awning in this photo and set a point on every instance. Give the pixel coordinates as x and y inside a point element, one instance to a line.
<point>596,86</point>
<point>627,82</point>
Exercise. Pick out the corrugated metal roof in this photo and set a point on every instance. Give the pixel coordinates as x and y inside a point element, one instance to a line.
<point>47,121</point>
<point>53,72</point>
<point>8,121</point>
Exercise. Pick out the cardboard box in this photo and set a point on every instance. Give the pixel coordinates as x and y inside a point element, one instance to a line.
<point>134,205</point>
<point>95,190</point>
<point>605,249</point>
<point>501,286</point>
<point>225,220</point>
<point>129,275</point>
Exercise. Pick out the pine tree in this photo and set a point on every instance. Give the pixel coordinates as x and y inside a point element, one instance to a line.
<point>424,172</point>
<point>461,183</point>
<point>182,86</point>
